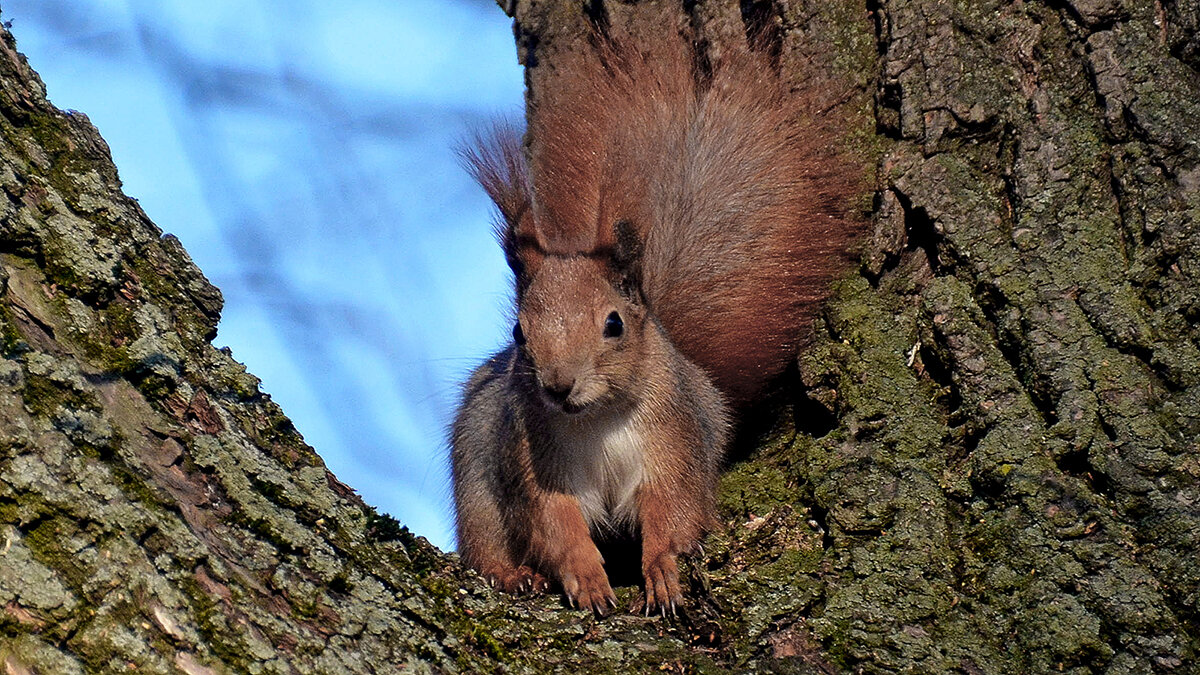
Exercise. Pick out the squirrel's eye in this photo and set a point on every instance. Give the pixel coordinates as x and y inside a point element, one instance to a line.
<point>613,326</point>
<point>518,334</point>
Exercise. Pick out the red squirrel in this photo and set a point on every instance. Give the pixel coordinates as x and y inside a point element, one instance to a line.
<point>671,226</point>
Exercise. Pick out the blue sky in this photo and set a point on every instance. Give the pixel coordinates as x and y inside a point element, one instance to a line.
<point>302,151</point>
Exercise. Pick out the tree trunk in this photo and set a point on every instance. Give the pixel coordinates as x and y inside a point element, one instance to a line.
<point>992,465</point>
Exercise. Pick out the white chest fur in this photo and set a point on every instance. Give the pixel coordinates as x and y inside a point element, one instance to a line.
<point>603,464</point>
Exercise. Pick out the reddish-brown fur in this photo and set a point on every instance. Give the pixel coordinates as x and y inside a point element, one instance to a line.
<point>703,210</point>
<point>516,460</point>
<point>739,192</point>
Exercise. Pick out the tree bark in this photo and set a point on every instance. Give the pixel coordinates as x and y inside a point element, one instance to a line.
<point>989,464</point>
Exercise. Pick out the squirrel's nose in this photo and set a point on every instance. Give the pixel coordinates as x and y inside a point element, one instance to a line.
<point>557,391</point>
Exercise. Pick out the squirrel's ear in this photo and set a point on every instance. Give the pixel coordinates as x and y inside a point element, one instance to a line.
<point>522,250</point>
<point>627,257</point>
<point>496,161</point>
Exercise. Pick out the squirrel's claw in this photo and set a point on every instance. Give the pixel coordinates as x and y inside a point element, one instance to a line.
<point>521,580</point>
<point>586,587</point>
<point>601,603</point>
<point>662,585</point>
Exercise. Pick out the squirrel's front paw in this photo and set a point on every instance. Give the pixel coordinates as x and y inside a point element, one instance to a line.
<point>517,580</point>
<point>662,584</point>
<point>587,587</point>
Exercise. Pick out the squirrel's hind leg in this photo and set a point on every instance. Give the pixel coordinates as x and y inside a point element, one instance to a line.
<point>482,497</point>
<point>484,544</point>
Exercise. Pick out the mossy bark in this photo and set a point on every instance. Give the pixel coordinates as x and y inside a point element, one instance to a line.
<point>992,465</point>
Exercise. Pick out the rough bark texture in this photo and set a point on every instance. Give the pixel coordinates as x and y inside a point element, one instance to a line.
<point>995,468</point>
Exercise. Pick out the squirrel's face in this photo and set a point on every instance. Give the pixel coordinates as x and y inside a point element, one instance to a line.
<point>581,339</point>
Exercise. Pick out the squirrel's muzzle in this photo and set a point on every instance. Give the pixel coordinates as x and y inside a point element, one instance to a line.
<point>558,393</point>
<point>557,390</point>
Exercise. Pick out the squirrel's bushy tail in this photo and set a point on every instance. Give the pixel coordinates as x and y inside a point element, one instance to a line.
<point>738,192</point>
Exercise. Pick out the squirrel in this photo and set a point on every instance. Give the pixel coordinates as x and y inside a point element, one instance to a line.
<point>672,224</point>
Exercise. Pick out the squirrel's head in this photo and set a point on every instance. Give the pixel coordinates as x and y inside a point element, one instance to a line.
<point>581,329</point>
<point>581,321</point>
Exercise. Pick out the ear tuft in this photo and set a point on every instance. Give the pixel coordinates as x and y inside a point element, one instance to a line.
<point>627,257</point>
<point>495,159</point>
